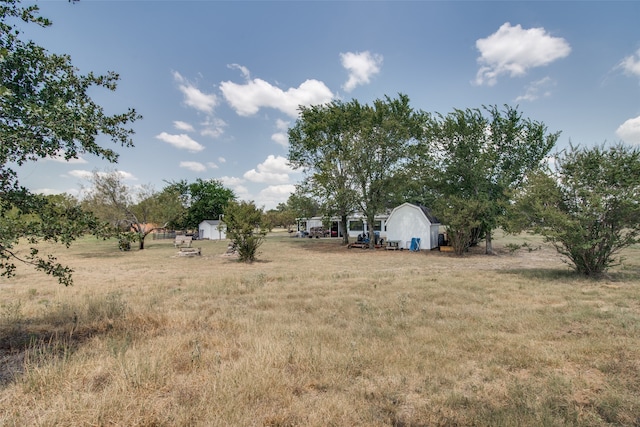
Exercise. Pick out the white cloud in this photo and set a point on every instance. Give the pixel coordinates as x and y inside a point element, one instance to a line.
<point>60,159</point>
<point>281,137</point>
<point>270,196</point>
<point>82,174</point>
<point>195,98</point>
<point>222,160</point>
<point>213,127</point>
<point>244,70</point>
<point>272,170</point>
<point>361,66</point>
<point>513,51</point>
<point>193,166</point>
<point>629,131</point>
<point>247,99</point>
<point>538,89</point>
<point>183,126</point>
<point>235,183</point>
<point>182,141</point>
<point>85,174</point>
<point>631,64</point>
<point>212,165</point>
<point>231,181</point>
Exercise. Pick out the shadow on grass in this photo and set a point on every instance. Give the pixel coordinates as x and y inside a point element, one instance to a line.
<point>55,335</point>
<point>628,274</point>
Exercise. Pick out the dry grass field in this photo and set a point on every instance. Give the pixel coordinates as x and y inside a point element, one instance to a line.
<point>314,334</point>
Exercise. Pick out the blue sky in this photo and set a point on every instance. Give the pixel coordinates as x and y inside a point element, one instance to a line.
<point>218,82</point>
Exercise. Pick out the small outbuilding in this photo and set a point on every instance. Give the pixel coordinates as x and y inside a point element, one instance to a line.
<point>212,229</point>
<point>408,222</point>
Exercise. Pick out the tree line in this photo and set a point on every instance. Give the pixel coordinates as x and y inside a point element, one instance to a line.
<point>476,169</point>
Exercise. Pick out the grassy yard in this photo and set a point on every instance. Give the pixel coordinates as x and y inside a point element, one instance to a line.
<point>314,334</point>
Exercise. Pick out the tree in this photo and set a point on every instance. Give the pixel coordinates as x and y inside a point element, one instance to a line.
<point>382,136</point>
<point>477,159</point>
<point>45,111</point>
<point>202,199</point>
<point>587,207</point>
<point>245,226</point>
<point>353,154</point>
<point>140,210</point>
<point>319,144</point>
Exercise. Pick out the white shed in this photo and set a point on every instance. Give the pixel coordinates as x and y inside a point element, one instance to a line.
<point>409,221</point>
<point>212,229</point>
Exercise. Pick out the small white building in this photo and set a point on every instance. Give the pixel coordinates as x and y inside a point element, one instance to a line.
<point>212,229</point>
<point>409,221</point>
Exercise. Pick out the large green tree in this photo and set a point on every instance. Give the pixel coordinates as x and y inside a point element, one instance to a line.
<point>354,155</point>
<point>381,140</point>
<point>45,111</point>
<point>587,205</point>
<point>319,144</point>
<point>202,199</point>
<point>478,157</point>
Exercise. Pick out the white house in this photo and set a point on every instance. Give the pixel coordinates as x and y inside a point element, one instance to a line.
<point>409,221</point>
<point>212,229</point>
<point>356,224</point>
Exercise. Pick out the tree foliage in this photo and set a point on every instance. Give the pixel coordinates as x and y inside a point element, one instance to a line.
<point>201,199</point>
<point>245,226</point>
<point>474,159</point>
<point>354,154</point>
<point>319,144</point>
<point>45,111</point>
<point>139,210</point>
<point>588,206</point>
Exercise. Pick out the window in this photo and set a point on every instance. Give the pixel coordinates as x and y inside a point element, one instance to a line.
<point>356,225</point>
<point>377,226</point>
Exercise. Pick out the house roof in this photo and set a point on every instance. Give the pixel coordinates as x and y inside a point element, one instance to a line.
<point>211,221</point>
<point>425,211</point>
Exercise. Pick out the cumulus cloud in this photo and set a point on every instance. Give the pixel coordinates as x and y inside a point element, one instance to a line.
<point>247,98</point>
<point>231,180</point>
<point>244,70</point>
<point>85,174</point>
<point>270,196</point>
<point>629,131</point>
<point>194,97</point>
<point>513,50</point>
<point>236,184</point>
<point>361,66</point>
<point>183,126</point>
<point>281,137</point>
<point>213,127</point>
<point>181,141</point>
<point>193,166</point>
<point>538,89</point>
<point>631,64</point>
<point>272,170</point>
<point>212,165</point>
<point>60,159</point>
<point>222,160</point>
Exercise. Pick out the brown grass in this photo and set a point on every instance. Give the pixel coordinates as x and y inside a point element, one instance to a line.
<point>315,334</point>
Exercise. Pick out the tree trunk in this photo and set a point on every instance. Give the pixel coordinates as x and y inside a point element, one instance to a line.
<point>488,244</point>
<point>372,234</point>
<point>345,231</point>
<point>141,239</point>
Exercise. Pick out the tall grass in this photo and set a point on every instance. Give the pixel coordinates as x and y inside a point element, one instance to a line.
<point>316,334</point>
